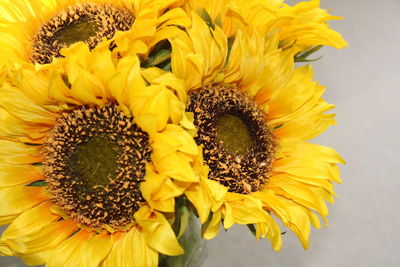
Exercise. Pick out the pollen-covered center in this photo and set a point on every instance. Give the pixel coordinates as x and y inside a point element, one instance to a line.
<point>87,22</point>
<point>95,162</point>
<point>237,144</point>
<point>233,133</point>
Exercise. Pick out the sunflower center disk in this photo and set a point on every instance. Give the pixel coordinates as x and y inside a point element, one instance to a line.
<point>237,144</point>
<point>77,32</point>
<point>87,22</point>
<point>95,162</point>
<point>233,134</point>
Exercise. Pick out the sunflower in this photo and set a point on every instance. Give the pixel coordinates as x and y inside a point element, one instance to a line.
<point>92,157</point>
<point>254,112</point>
<point>303,25</point>
<point>35,31</point>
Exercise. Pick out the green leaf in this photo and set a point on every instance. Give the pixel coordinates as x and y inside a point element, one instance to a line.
<point>182,213</point>
<point>303,57</point>
<point>302,60</point>
<point>202,12</point>
<point>32,144</point>
<point>167,66</point>
<point>252,229</point>
<point>38,183</point>
<point>284,45</point>
<point>206,224</point>
<point>218,21</point>
<point>159,57</point>
<point>231,40</point>
<point>174,261</point>
<point>185,213</point>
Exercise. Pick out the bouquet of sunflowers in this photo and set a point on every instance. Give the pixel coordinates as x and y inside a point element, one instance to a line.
<point>126,123</point>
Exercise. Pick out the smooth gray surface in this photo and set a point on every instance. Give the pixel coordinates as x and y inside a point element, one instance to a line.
<point>363,81</point>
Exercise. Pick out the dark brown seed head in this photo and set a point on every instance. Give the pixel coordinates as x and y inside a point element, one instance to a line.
<point>95,162</point>
<point>237,144</point>
<point>87,22</point>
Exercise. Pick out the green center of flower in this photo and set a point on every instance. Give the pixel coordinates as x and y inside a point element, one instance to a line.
<point>77,31</point>
<point>238,146</point>
<point>87,22</point>
<point>95,161</point>
<point>234,134</point>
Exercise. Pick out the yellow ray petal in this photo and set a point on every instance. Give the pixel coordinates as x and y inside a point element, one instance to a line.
<point>213,227</point>
<point>24,108</point>
<point>95,249</point>
<point>31,221</point>
<point>14,129</point>
<point>18,153</point>
<point>158,232</point>
<point>246,209</point>
<point>17,199</point>
<point>300,194</point>
<point>45,242</point>
<point>35,233</point>
<point>294,216</point>
<point>177,166</point>
<point>199,198</point>
<point>160,191</point>
<point>131,249</point>
<point>68,253</point>
<point>12,175</point>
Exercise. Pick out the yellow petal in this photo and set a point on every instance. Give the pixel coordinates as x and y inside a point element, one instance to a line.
<point>246,209</point>
<point>199,198</point>
<point>34,234</point>
<point>46,241</point>
<point>95,249</point>
<point>167,79</point>
<point>11,174</point>
<point>25,223</point>
<point>20,106</point>
<point>300,193</point>
<point>18,153</point>
<point>174,17</point>
<point>306,167</point>
<point>173,138</point>
<point>14,129</point>
<point>177,166</point>
<point>307,23</point>
<point>84,89</point>
<point>158,231</point>
<point>130,249</point>
<point>160,191</point>
<point>291,214</point>
<point>271,231</point>
<point>59,90</point>
<point>215,191</point>
<point>213,228</point>
<point>17,199</point>
<point>68,253</point>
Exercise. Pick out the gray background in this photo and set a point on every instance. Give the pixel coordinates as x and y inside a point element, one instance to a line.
<point>363,81</point>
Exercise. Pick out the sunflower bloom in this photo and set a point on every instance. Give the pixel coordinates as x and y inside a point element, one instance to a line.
<point>36,31</point>
<point>254,113</point>
<point>91,157</point>
<point>303,25</point>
